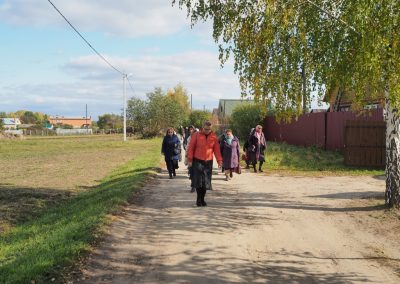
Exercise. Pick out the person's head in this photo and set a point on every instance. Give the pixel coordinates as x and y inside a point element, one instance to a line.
<point>207,127</point>
<point>170,131</point>
<point>229,133</point>
<point>258,128</point>
<point>191,128</point>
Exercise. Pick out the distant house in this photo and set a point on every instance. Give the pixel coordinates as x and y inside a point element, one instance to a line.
<point>340,100</point>
<point>226,107</point>
<point>76,122</point>
<point>11,123</point>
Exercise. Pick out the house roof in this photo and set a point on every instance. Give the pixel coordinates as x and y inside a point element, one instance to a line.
<point>11,121</point>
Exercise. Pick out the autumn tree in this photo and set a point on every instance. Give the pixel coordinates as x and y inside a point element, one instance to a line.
<point>180,94</point>
<point>282,49</point>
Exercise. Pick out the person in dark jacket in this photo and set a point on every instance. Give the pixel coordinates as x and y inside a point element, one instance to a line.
<point>256,148</point>
<point>246,149</point>
<point>188,132</point>
<point>171,149</point>
<point>230,150</point>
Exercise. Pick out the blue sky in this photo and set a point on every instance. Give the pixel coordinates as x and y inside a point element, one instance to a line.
<point>47,67</point>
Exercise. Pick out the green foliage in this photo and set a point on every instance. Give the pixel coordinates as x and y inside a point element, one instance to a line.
<point>246,116</point>
<point>160,111</point>
<point>3,114</point>
<point>354,45</point>
<point>1,124</point>
<point>58,125</point>
<point>197,117</point>
<point>110,121</point>
<point>137,114</point>
<point>28,117</point>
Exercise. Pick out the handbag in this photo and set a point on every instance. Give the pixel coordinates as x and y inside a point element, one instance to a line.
<point>177,149</point>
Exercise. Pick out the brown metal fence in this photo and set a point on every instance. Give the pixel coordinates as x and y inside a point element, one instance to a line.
<point>365,143</point>
<point>325,130</point>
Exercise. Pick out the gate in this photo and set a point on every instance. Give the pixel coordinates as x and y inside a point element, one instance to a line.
<point>365,144</point>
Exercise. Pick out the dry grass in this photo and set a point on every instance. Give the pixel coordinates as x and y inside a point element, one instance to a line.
<point>41,172</point>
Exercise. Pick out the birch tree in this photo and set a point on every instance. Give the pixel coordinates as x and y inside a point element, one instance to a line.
<point>283,49</point>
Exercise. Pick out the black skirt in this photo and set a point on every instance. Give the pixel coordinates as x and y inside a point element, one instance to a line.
<point>202,171</point>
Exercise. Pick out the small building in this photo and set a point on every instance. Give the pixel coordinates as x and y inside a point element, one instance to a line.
<point>75,122</point>
<point>11,123</point>
<point>340,100</point>
<point>226,107</point>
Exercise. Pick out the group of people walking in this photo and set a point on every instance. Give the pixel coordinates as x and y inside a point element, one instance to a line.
<point>202,145</point>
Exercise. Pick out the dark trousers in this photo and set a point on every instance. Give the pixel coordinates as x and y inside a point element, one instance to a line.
<point>201,193</point>
<point>170,167</point>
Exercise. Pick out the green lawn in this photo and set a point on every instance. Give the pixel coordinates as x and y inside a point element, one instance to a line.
<point>288,159</point>
<point>65,220</point>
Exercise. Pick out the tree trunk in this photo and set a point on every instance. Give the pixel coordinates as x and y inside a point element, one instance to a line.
<point>304,81</point>
<point>392,194</point>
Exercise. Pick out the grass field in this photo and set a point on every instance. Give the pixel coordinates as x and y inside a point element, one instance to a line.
<point>287,159</point>
<point>55,195</point>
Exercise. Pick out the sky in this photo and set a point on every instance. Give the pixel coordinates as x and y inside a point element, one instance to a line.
<point>46,67</point>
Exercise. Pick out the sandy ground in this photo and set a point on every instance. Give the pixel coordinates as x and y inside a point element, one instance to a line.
<point>256,229</point>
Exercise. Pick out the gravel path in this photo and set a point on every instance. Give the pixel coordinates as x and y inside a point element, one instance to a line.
<point>255,229</point>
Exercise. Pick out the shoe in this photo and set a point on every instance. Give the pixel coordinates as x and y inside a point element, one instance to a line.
<point>193,189</point>
<point>247,167</point>
<point>203,203</point>
<point>174,174</point>
<point>255,170</point>
<point>260,170</point>
<point>198,201</point>
<point>170,176</point>
<point>226,178</point>
<point>231,175</point>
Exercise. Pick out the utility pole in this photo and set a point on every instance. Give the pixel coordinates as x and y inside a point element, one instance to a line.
<point>124,76</point>
<point>87,126</point>
<point>191,102</point>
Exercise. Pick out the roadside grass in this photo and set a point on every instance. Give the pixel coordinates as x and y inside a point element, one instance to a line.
<point>282,158</point>
<point>34,249</point>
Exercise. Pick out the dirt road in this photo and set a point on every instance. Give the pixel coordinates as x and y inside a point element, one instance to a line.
<point>256,229</point>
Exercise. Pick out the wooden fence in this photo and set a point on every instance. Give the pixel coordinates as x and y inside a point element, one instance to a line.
<point>365,143</point>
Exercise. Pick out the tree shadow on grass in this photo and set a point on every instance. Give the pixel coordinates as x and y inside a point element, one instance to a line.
<point>20,204</point>
<point>61,229</point>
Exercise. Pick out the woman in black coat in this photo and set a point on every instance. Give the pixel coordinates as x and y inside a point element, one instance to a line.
<point>171,149</point>
<point>256,148</point>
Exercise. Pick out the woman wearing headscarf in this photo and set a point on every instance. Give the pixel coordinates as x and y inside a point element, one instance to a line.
<point>171,149</point>
<point>256,148</point>
<point>230,150</point>
<point>203,146</point>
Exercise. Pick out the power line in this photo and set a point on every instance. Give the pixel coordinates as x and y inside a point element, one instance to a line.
<point>130,85</point>
<point>101,56</point>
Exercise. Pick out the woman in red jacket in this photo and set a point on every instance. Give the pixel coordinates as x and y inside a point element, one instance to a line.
<point>203,145</point>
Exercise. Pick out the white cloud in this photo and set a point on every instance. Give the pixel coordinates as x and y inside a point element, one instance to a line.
<point>119,18</point>
<point>95,84</point>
